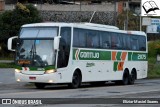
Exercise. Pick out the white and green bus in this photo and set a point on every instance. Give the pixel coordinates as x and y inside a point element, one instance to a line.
<point>73,53</point>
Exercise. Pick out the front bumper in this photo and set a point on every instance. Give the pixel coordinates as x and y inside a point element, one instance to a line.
<point>42,78</point>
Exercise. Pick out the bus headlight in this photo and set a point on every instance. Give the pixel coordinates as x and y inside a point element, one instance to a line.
<point>50,71</point>
<point>17,70</point>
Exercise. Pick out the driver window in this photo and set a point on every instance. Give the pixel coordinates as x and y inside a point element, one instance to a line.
<point>64,47</point>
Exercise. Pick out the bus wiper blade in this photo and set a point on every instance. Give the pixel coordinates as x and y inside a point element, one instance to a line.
<point>31,53</point>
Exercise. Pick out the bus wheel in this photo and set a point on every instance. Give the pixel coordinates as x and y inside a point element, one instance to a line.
<point>76,80</point>
<point>132,77</point>
<point>40,85</point>
<point>125,80</point>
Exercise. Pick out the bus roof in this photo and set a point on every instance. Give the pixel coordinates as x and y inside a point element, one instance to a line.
<point>84,25</point>
<point>70,24</point>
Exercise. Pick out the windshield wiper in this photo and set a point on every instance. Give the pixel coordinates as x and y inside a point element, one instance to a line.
<point>33,52</point>
<point>36,59</point>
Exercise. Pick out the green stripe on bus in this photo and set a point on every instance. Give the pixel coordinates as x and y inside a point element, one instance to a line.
<point>136,56</point>
<point>115,65</point>
<point>49,67</point>
<point>79,54</point>
<point>105,55</point>
<point>91,55</point>
<point>18,67</point>
<point>118,57</point>
<point>129,56</point>
<point>33,69</point>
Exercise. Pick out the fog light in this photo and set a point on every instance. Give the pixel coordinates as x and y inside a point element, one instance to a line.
<point>17,70</point>
<point>50,71</point>
<point>18,80</point>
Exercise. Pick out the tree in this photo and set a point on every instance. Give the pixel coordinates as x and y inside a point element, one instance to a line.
<point>133,20</point>
<point>11,21</point>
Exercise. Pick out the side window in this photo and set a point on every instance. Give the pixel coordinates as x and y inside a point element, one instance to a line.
<point>105,40</point>
<point>123,38</point>
<point>116,41</point>
<point>64,47</point>
<point>75,37</point>
<point>79,37</point>
<point>82,38</point>
<point>127,41</point>
<point>92,39</point>
<point>142,43</point>
<point>113,41</point>
<point>120,41</point>
<point>134,43</point>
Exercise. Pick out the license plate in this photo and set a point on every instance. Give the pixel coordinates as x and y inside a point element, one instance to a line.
<point>32,78</point>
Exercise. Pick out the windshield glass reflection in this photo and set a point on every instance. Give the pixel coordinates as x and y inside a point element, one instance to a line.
<point>39,52</point>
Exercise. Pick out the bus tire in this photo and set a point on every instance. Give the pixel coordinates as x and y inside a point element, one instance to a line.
<point>132,77</point>
<point>76,80</point>
<point>125,79</point>
<point>40,85</point>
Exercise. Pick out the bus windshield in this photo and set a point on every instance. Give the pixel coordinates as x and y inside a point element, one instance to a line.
<point>36,53</point>
<point>35,47</point>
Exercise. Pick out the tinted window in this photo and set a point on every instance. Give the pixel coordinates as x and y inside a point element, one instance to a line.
<point>79,38</point>
<point>142,43</point>
<point>128,43</point>
<point>92,39</point>
<point>120,41</point>
<point>123,40</point>
<point>134,43</point>
<point>115,41</point>
<point>64,47</point>
<point>105,40</point>
<point>108,40</point>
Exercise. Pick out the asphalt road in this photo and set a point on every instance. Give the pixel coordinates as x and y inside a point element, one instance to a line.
<point>141,89</point>
<point>7,76</point>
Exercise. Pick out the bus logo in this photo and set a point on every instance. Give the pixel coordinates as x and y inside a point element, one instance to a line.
<point>86,55</point>
<point>92,55</point>
<point>77,54</point>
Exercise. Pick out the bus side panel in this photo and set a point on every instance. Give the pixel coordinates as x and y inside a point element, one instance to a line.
<point>140,66</point>
<point>98,71</point>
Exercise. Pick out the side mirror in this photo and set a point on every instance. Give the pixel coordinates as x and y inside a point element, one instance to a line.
<point>56,42</point>
<point>10,40</point>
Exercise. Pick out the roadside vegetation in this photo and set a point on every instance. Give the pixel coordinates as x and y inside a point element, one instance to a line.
<point>7,65</point>
<point>12,20</point>
<point>153,64</point>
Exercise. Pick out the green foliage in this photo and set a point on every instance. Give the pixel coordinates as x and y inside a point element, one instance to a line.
<point>133,20</point>
<point>153,65</point>
<point>11,21</point>
<point>153,48</point>
<point>153,68</point>
<point>158,47</point>
<point>7,65</point>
